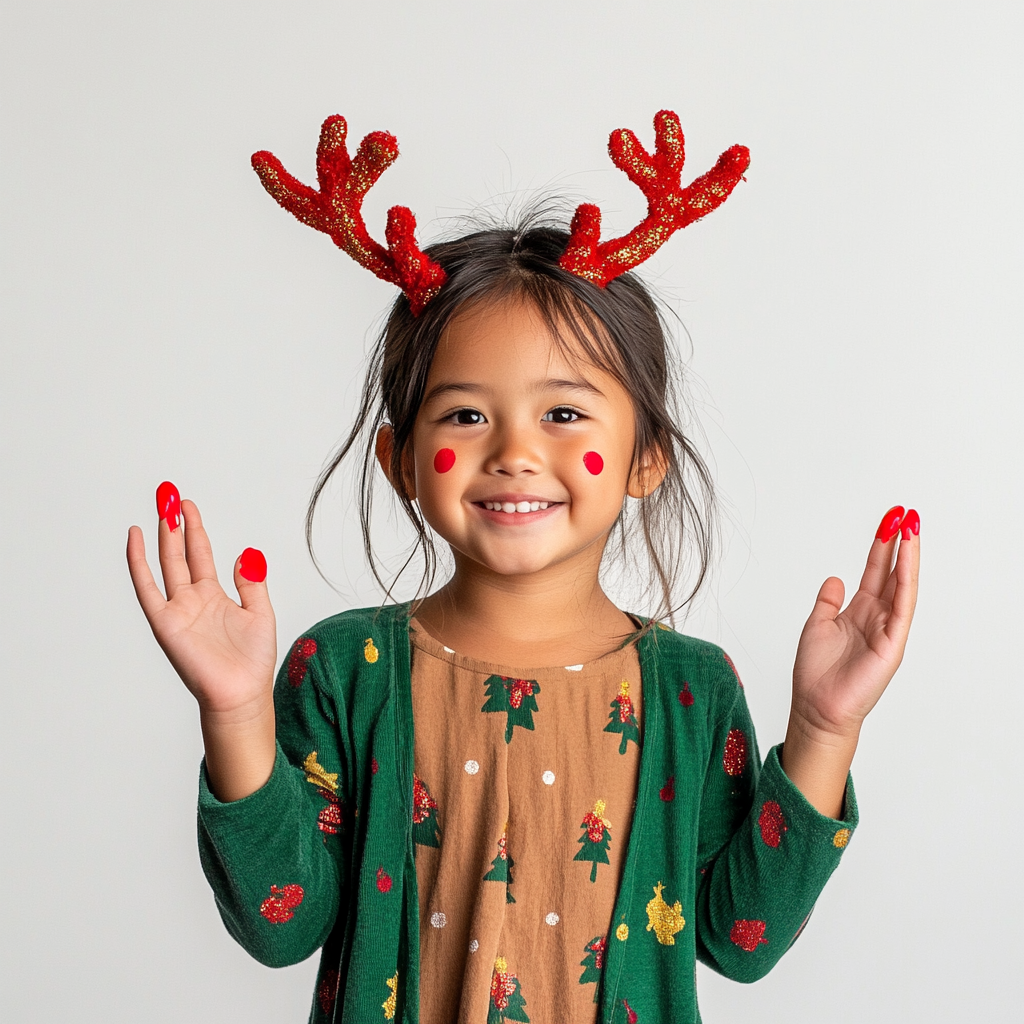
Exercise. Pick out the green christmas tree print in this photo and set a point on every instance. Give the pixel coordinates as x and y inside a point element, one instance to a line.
<point>501,867</point>
<point>595,839</point>
<point>425,829</point>
<point>507,1001</point>
<point>517,698</point>
<point>593,962</point>
<point>622,719</point>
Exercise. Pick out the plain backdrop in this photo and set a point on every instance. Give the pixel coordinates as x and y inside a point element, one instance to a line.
<point>854,331</point>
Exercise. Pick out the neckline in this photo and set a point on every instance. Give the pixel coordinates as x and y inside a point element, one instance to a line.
<point>419,637</point>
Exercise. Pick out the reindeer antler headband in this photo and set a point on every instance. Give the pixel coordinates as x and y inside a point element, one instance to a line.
<point>336,208</point>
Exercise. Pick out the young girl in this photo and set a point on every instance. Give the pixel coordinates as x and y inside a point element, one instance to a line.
<point>511,800</point>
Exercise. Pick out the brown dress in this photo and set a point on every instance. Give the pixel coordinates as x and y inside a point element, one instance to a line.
<point>525,782</point>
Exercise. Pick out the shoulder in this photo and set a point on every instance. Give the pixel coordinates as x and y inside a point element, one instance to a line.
<point>687,661</point>
<point>360,638</point>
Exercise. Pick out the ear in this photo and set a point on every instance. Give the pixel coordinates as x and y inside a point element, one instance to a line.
<point>384,450</point>
<point>648,474</point>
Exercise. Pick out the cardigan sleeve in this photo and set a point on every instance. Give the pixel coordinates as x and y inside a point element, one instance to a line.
<point>764,853</point>
<point>275,859</point>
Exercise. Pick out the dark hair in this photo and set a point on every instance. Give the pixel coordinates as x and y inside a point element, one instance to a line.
<point>618,328</point>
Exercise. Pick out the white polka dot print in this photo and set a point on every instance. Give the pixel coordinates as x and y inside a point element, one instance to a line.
<point>549,778</point>
<point>438,920</point>
<point>551,918</point>
<point>472,767</point>
<point>473,945</point>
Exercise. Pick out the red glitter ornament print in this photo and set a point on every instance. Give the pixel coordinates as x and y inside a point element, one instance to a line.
<point>631,1016</point>
<point>374,767</point>
<point>685,697</point>
<point>383,880</point>
<point>444,460</point>
<point>748,935</point>
<point>729,662</point>
<point>593,462</point>
<point>668,791</point>
<point>772,824</point>
<point>279,906</point>
<point>302,650</point>
<point>422,802</point>
<point>327,991</point>
<point>734,760</point>
<point>520,688</point>
<point>329,819</point>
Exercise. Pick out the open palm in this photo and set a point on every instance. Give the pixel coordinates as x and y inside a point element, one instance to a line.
<point>846,657</point>
<point>225,652</point>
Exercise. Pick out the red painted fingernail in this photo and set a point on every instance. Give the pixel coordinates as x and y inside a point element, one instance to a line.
<point>890,524</point>
<point>252,566</point>
<point>168,504</point>
<point>593,462</point>
<point>911,524</point>
<point>444,460</point>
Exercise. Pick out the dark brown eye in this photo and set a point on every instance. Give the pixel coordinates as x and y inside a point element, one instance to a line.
<point>469,417</point>
<point>563,414</point>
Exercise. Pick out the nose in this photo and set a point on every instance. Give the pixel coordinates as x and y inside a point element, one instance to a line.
<point>515,453</point>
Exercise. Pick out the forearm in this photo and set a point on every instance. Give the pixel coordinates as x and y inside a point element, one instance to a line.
<point>240,749</point>
<point>818,765</point>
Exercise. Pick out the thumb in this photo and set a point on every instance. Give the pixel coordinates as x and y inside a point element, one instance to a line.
<point>250,580</point>
<point>829,602</point>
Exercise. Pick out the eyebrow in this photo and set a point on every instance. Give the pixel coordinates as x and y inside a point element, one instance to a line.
<point>548,384</point>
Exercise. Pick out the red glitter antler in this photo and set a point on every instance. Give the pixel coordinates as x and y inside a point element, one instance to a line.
<point>336,208</point>
<point>669,205</point>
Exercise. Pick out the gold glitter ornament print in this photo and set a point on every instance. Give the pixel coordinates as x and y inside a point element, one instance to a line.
<point>389,1005</point>
<point>370,652</point>
<point>316,773</point>
<point>665,921</point>
<point>841,838</point>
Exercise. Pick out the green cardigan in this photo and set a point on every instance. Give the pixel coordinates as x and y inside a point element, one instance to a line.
<point>323,854</point>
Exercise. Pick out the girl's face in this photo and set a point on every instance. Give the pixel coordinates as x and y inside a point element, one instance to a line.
<point>520,455</point>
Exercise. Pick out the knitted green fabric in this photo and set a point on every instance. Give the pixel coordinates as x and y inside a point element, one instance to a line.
<point>724,863</point>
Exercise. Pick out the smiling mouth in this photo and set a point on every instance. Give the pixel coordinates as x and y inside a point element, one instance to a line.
<point>515,507</point>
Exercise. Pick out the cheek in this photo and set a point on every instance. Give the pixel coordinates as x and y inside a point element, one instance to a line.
<point>593,462</point>
<point>444,460</point>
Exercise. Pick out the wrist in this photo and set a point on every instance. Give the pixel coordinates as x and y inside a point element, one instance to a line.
<point>241,747</point>
<point>817,761</point>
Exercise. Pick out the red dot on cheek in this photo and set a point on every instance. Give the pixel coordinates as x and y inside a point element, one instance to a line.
<point>593,462</point>
<point>444,460</point>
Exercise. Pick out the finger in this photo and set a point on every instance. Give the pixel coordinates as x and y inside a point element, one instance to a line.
<point>171,539</point>
<point>198,552</point>
<point>829,602</point>
<point>251,581</point>
<point>145,586</point>
<point>879,564</point>
<point>904,598</point>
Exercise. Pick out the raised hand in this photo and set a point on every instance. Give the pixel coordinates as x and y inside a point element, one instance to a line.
<point>223,651</point>
<point>846,658</point>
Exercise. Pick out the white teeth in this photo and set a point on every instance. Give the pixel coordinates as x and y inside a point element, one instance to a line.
<point>517,506</point>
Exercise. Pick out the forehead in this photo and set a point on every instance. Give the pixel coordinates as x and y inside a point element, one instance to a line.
<point>512,339</point>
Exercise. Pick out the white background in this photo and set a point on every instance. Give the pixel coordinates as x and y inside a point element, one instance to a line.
<point>856,325</point>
